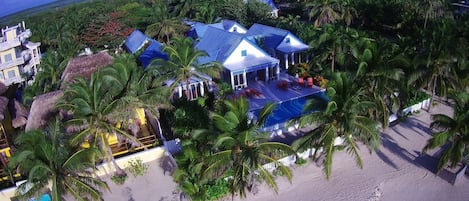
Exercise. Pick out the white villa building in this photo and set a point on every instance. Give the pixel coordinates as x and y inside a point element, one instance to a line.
<point>18,55</point>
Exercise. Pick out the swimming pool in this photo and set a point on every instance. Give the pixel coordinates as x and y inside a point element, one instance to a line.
<point>291,109</point>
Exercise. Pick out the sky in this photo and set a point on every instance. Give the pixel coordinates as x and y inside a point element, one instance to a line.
<point>8,7</point>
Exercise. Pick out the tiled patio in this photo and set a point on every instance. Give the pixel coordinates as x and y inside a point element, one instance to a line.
<point>270,92</point>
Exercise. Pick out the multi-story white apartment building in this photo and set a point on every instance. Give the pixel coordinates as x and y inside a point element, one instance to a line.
<point>18,55</point>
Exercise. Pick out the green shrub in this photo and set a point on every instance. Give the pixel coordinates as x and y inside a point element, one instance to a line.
<point>416,97</point>
<point>137,168</point>
<point>300,161</point>
<point>119,179</point>
<point>217,189</point>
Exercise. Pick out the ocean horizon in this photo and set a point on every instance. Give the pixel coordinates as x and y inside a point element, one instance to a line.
<point>9,7</point>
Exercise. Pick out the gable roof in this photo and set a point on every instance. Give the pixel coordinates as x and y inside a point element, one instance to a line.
<point>270,3</point>
<point>272,37</point>
<point>227,25</point>
<point>218,44</point>
<point>85,66</point>
<point>135,41</point>
<point>198,28</point>
<point>153,51</point>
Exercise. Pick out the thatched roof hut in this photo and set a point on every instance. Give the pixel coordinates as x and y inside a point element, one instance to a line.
<point>85,66</point>
<point>19,114</point>
<point>42,109</point>
<point>3,106</point>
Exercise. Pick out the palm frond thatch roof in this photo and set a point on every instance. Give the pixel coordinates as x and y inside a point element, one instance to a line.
<point>42,109</point>
<point>19,114</point>
<point>3,88</point>
<point>3,106</point>
<point>85,66</point>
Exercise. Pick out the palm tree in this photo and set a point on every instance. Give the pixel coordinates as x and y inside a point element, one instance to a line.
<point>183,64</point>
<point>207,13</point>
<point>329,11</point>
<point>94,105</point>
<point>431,9</point>
<point>242,149</point>
<point>379,72</point>
<point>452,130</point>
<point>47,78</point>
<point>442,57</point>
<point>344,117</point>
<point>46,158</point>
<point>163,26</point>
<point>336,44</point>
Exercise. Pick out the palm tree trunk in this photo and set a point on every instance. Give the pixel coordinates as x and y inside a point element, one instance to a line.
<point>187,90</point>
<point>333,60</point>
<point>55,191</point>
<point>433,94</point>
<point>119,170</point>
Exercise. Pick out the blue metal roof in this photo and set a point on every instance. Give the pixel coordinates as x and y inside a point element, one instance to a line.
<point>135,41</point>
<point>218,44</point>
<point>272,37</point>
<point>153,51</point>
<point>226,24</point>
<point>197,29</point>
<point>270,3</point>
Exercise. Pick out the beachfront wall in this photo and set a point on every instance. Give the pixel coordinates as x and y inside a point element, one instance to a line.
<point>106,169</point>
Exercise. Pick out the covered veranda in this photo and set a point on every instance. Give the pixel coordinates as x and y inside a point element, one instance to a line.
<point>241,74</point>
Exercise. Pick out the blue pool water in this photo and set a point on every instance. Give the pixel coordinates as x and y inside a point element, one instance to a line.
<point>291,109</point>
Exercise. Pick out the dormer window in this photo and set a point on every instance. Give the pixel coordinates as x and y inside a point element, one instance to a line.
<point>287,40</point>
<point>244,53</point>
<point>235,29</point>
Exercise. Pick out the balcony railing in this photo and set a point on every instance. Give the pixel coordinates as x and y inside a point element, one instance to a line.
<point>10,81</point>
<point>9,44</point>
<point>15,62</point>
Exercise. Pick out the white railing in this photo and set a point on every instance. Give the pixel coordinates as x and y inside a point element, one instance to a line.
<point>9,44</point>
<point>15,62</point>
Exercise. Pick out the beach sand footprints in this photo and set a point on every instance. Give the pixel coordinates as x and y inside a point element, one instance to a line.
<point>377,193</point>
<point>174,197</point>
<point>127,192</point>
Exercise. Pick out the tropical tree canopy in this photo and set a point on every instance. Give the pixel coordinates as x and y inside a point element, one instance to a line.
<point>183,64</point>
<point>243,148</point>
<point>345,117</point>
<point>452,131</point>
<point>46,158</point>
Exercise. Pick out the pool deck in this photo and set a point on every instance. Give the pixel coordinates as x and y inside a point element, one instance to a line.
<point>270,93</point>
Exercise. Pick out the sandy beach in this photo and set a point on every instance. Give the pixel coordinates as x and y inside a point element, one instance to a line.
<point>397,172</point>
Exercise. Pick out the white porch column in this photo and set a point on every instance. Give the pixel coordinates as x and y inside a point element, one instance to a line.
<point>292,58</point>
<point>278,71</point>
<point>201,88</point>
<point>245,84</point>
<point>286,60</point>
<point>267,78</point>
<point>232,81</point>
<point>180,91</point>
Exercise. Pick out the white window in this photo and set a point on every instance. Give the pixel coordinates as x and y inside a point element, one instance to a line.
<point>8,58</point>
<point>244,53</point>
<point>11,74</point>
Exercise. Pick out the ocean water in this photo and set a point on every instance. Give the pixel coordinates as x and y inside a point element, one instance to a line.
<point>8,7</point>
